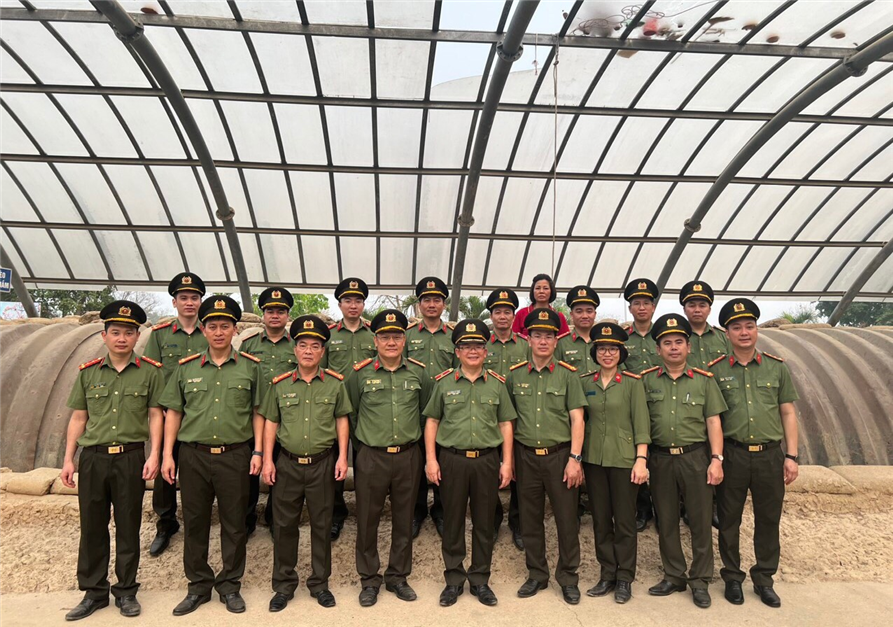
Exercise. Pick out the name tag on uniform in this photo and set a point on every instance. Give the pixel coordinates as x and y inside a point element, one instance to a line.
<point>453,392</point>
<point>571,352</point>
<point>174,345</point>
<point>290,395</point>
<point>591,393</point>
<point>196,380</point>
<point>724,379</point>
<point>416,341</point>
<point>523,385</point>
<point>373,381</point>
<point>97,386</point>
<point>334,342</point>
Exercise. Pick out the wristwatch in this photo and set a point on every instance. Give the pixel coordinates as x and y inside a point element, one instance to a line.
<point>793,458</point>
<point>719,457</point>
<point>257,453</point>
<point>577,458</point>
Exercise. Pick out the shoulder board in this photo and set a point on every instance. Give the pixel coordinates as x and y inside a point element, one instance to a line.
<point>416,362</point>
<point>366,322</point>
<point>652,369</point>
<point>518,365</point>
<point>775,357</point>
<point>362,364</point>
<point>282,377</point>
<point>588,374</point>
<point>703,372</point>
<point>565,334</point>
<point>496,375</point>
<point>163,325</point>
<point>568,366</point>
<point>190,358</point>
<point>250,356</point>
<point>337,375</point>
<point>150,361</point>
<point>627,373</point>
<point>627,327</point>
<point>333,325</point>
<point>716,361</point>
<point>442,374</point>
<point>92,362</point>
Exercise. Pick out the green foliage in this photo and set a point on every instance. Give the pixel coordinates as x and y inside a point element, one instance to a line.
<point>560,305</point>
<point>59,303</point>
<point>860,314</point>
<point>473,307</point>
<point>304,304</point>
<point>804,314</point>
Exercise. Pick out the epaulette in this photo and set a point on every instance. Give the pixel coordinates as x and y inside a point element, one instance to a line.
<point>518,365</point>
<point>627,373</point>
<point>703,372</point>
<point>498,376</point>
<point>337,375</point>
<point>163,325</point>
<point>282,376</point>
<point>716,361</point>
<point>651,369</point>
<point>333,325</point>
<point>626,327</point>
<point>363,363</point>
<point>366,322</point>
<point>443,374</point>
<point>150,361</point>
<point>568,366</point>
<point>190,358</point>
<point>416,362</point>
<point>591,372</point>
<point>775,357</point>
<point>566,333</point>
<point>250,356</point>
<point>92,362</point>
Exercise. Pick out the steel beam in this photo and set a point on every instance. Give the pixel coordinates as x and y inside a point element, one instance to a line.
<point>847,300</point>
<point>18,284</point>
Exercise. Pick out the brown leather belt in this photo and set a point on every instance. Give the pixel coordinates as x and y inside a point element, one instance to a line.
<point>216,450</point>
<point>307,460</point>
<point>678,450</point>
<point>116,450</point>
<point>393,450</point>
<point>753,448</point>
<point>549,450</point>
<point>468,453</point>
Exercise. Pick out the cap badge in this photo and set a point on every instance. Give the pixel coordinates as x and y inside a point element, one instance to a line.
<point>308,324</point>
<point>276,294</point>
<point>544,315</point>
<point>354,285</point>
<point>643,286</point>
<point>697,287</point>
<point>672,322</point>
<point>219,304</point>
<point>124,311</point>
<point>503,294</point>
<point>431,285</point>
<point>607,331</point>
<point>581,292</point>
<point>739,307</point>
<point>390,318</point>
<point>471,328</point>
<point>186,280</point>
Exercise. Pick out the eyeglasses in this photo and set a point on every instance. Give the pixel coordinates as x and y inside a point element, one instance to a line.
<point>607,350</point>
<point>468,348</point>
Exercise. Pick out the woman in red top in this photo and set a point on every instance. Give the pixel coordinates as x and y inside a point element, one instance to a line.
<point>542,292</point>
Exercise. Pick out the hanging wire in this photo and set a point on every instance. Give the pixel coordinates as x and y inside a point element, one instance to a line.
<point>554,155</point>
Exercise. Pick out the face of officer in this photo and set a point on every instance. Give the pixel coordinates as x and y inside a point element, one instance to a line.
<point>542,292</point>
<point>743,333</point>
<point>502,318</point>
<point>219,332</point>
<point>543,343</point>
<point>607,356</point>
<point>696,310</point>
<point>673,349</point>
<point>308,352</point>
<point>642,309</point>
<point>187,302</point>
<point>352,307</point>
<point>120,339</point>
<point>275,318</point>
<point>471,355</point>
<point>431,306</point>
<point>390,345</point>
<point>583,316</point>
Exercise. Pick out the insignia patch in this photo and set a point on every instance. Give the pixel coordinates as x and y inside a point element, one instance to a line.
<point>416,341</point>
<point>186,280</point>
<point>336,342</point>
<point>390,318</point>
<point>276,294</point>
<point>219,304</point>
<point>724,379</point>
<point>471,328</point>
<point>453,392</point>
<point>523,385</point>
<point>503,294</point>
<point>308,324</point>
<point>581,292</point>
<point>196,380</point>
<point>738,307</point>
<point>124,311</point>
<point>354,285</point>
<point>607,331</point>
<point>672,322</point>
<point>643,286</point>
<point>290,395</point>
<point>431,285</point>
<point>373,381</point>
<point>544,315</point>
<point>697,287</point>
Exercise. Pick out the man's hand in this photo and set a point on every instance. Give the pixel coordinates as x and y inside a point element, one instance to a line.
<point>506,474</point>
<point>639,474</point>
<point>269,472</point>
<point>714,472</point>
<point>169,470</point>
<point>256,464</point>
<point>432,471</point>
<point>341,468</point>
<point>573,474</point>
<point>150,468</point>
<point>791,471</point>
<point>67,475</point>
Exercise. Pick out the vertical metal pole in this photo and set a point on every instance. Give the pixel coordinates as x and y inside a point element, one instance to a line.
<point>18,285</point>
<point>847,300</point>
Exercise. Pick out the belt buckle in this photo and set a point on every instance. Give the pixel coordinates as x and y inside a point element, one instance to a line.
<point>472,454</point>
<point>541,451</point>
<point>393,449</point>
<point>754,448</point>
<point>217,450</point>
<point>676,450</point>
<point>303,460</point>
<point>114,450</point>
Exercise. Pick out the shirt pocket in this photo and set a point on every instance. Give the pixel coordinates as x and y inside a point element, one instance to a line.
<point>731,391</point>
<point>456,406</point>
<point>574,356</point>
<point>767,391</point>
<point>136,397</point>
<point>97,400</point>
<point>289,408</point>
<point>171,353</point>
<point>375,394</point>
<point>693,406</point>
<point>556,399</point>
<point>238,394</point>
<point>655,403</point>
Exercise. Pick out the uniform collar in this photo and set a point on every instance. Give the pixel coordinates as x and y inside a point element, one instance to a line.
<point>461,375</point>
<point>757,357</point>
<point>574,337</point>
<point>340,326</point>
<point>551,365</point>
<point>632,329</point>
<point>422,327</point>
<point>618,377</point>
<point>265,336</point>
<point>377,364</point>
<point>206,357</point>
<point>494,339</point>
<point>107,360</point>
<point>320,374</point>
<point>687,372</point>
<point>176,326</point>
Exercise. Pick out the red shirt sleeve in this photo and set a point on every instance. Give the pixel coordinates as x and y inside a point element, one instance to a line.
<point>564,327</point>
<point>518,323</point>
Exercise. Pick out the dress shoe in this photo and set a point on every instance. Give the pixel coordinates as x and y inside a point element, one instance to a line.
<point>571,594</point>
<point>734,595</point>
<point>438,524</point>
<point>234,602</point>
<point>623,592</point>
<point>161,542</point>
<point>767,595</point>
<point>190,604</point>
<point>530,587</point>
<point>603,587</point>
<point>368,596</point>
<point>324,598</point>
<point>280,600</point>
<point>416,528</point>
<point>450,594</point>
<point>665,589</point>
<point>641,524</point>
<point>85,608</point>
<point>250,529</point>
<point>701,597</point>
<point>715,520</point>
<point>485,594</point>
<point>518,539</point>
<point>336,530</point>
<point>129,606</point>
<point>403,591</point>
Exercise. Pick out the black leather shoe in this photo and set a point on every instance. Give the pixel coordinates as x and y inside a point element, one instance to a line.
<point>571,594</point>
<point>234,602</point>
<point>403,591</point>
<point>665,589</point>
<point>438,524</point>
<point>530,587</point>
<point>484,594</point>
<point>324,598</point>
<point>767,595</point>
<point>336,530</point>
<point>517,539</point>
<point>603,587</point>
<point>279,601</point>
<point>623,592</point>
<point>85,608</point>
<point>450,594</point>
<point>734,595</point>
<point>416,528</point>
<point>250,529</point>
<point>129,606</point>
<point>161,542</point>
<point>368,596</point>
<point>715,520</point>
<point>701,597</point>
<point>190,604</point>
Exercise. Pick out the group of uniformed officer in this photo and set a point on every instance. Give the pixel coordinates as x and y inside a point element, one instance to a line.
<point>697,413</point>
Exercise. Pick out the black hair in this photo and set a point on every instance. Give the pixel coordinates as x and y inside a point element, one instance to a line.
<point>109,323</point>
<point>547,278</point>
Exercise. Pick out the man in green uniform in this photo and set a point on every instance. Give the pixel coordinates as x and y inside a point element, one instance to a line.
<point>116,409</point>
<point>429,342</point>
<point>504,350</point>
<point>548,457</point>
<point>306,411</point>
<point>470,418</point>
<point>388,394</point>
<point>351,343</point>
<point>707,341</point>
<point>573,346</point>
<point>760,429</point>
<point>686,456</point>
<point>211,406</point>
<point>168,343</point>
<point>276,352</point>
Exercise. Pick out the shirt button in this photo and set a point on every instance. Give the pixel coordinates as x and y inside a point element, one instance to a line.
<point>195,389</point>
<point>748,385</point>
<point>114,427</point>
<point>674,398</point>
<point>215,417</point>
<point>306,420</point>
<point>672,412</point>
<point>116,394</point>
<point>538,409</point>
<point>537,425</point>
<point>215,437</point>
<point>672,429</point>
<point>218,383</point>
<point>539,393</point>
<point>216,400</point>
<point>114,411</point>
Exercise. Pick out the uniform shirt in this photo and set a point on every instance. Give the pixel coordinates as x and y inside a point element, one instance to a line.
<point>642,351</point>
<point>275,357</point>
<point>217,401</point>
<point>708,347</point>
<point>470,412</point>
<point>435,350</point>
<point>346,348</point>
<point>753,393</point>
<point>679,409</point>
<point>387,406</point>
<point>574,350</point>
<point>616,419</point>
<point>543,400</point>
<point>117,403</point>
<point>306,412</point>
<point>521,315</point>
<point>168,343</point>
<point>503,355</point>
